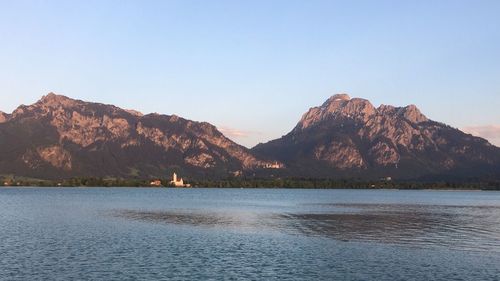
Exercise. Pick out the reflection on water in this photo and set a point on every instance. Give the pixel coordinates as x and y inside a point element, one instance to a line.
<point>474,228</point>
<point>187,218</point>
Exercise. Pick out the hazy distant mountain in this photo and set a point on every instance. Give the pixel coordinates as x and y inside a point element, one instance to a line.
<point>351,138</point>
<point>62,137</point>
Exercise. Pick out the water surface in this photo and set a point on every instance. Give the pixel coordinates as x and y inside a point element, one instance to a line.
<point>259,234</point>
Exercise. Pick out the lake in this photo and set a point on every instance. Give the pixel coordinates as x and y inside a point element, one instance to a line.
<point>248,234</point>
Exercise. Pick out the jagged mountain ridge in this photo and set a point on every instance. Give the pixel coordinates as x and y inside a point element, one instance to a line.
<point>62,137</point>
<point>351,138</point>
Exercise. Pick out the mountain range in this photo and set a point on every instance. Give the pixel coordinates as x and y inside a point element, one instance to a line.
<point>60,137</point>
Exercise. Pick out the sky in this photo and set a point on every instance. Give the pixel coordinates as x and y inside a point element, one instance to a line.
<point>252,68</point>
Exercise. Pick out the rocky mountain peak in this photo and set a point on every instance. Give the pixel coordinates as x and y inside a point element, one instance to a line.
<point>358,107</point>
<point>43,106</point>
<point>60,136</point>
<point>174,118</point>
<point>336,98</point>
<point>134,112</point>
<point>413,114</point>
<point>54,100</point>
<point>349,137</point>
<point>387,109</point>
<point>337,106</point>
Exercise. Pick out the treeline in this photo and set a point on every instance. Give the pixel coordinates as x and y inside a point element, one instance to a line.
<point>77,182</point>
<point>348,184</point>
<point>257,183</point>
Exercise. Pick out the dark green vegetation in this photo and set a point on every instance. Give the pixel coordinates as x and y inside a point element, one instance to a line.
<point>260,183</point>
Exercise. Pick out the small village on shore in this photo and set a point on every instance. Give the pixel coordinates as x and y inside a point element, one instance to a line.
<point>175,182</point>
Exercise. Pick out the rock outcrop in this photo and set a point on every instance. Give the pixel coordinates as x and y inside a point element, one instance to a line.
<point>3,117</point>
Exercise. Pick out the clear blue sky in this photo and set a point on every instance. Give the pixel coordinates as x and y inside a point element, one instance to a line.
<point>254,67</point>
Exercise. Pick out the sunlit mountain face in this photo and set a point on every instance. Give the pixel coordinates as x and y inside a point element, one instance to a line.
<point>351,137</point>
<point>62,137</point>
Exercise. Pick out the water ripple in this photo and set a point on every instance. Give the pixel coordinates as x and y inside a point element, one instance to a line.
<point>455,227</point>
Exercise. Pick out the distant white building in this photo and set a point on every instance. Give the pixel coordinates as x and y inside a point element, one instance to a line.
<point>156,183</point>
<point>274,165</point>
<point>178,183</point>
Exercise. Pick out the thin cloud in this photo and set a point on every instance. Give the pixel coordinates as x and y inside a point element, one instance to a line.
<point>489,132</point>
<point>236,133</point>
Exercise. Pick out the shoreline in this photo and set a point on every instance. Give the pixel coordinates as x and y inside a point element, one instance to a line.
<point>275,183</point>
<point>255,188</point>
